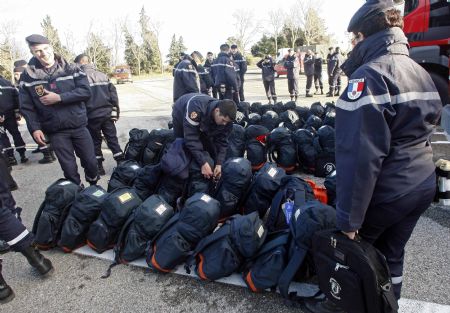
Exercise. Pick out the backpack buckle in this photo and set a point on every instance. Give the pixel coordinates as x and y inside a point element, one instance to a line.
<point>386,287</point>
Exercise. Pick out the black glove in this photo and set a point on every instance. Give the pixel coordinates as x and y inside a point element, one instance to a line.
<point>115,114</point>
<point>17,115</point>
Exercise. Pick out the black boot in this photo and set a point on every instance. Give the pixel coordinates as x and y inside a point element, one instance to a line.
<point>38,261</point>
<point>37,150</point>
<point>48,156</point>
<point>308,95</point>
<point>6,293</point>
<point>325,306</point>
<point>338,92</point>
<point>331,92</point>
<point>321,91</point>
<point>12,161</point>
<point>292,98</point>
<point>295,98</point>
<point>101,170</point>
<point>274,99</point>
<point>4,247</point>
<point>23,158</point>
<point>316,92</point>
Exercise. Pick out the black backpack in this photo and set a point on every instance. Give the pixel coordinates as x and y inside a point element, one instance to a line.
<point>235,179</point>
<point>313,123</point>
<point>240,119</point>
<point>290,120</point>
<point>303,114</point>
<point>353,274</point>
<point>306,152</point>
<point>324,143</point>
<point>293,193</point>
<point>256,107</point>
<point>50,216</point>
<point>171,188</point>
<point>330,186</point>
<point>123,175</point>
<point>141,227</point>
<point>236,142</point>
<point>179,236</point>
<point>225,251</point>
<point>136,144</point>
<point>270,120</point>
<point>279,107</point>
<point>254,119</point>
<point>84,211</point>
<point>311,217</point>
<point>244,107</point>
<point>263,270</point>
<point>330,114</point>
<point>196,181</point>
<point>265,183</point>
<point>116,207</point>
<point>156,142</point>
<point>147,181</point>
<point>290,105</point>
<point>281,149</point>
<point>255,137</point>
<point>317,109</point>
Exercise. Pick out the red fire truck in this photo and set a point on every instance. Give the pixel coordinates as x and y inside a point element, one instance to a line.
<point>427,26</point>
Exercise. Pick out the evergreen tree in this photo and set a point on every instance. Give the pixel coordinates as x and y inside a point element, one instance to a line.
<point>181,46</point>
<point>52,34</point>
<point>99,53</point>
<point>173,51</point>
<point>133,53</point>
<point>152,56</point>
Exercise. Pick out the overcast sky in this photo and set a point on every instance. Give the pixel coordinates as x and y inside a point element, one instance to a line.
<point>204,25</point>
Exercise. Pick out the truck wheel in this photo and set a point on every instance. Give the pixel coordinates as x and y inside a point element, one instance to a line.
<point>441,86</point>
<point>278,75</point>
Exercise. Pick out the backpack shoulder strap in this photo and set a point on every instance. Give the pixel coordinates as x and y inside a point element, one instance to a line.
<point>37,218</point>
<point>120,241</point>
<point>279,241</point>
<point>274,210</point>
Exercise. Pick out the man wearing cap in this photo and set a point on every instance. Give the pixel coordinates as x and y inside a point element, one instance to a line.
<point>224,74</point>
<point>205,78</point>
<point>308,63</point>
<point>205,124</point>
<point>207,66</point>
<point>52,99</point>
<point>335,71</point>
<point>292,64</point>
<point>384,165</point>
<point>186,78</point>
<point>242,65</point>
<point>9,116</point>
<point>102,111</point>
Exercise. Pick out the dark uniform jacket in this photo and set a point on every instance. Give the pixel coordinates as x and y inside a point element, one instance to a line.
<point>308,63</point>
<point>223,72</point>
<point>194,111</point>
<point>241,62</point>
<point>186,78</point>
<point>268,70</point>
<point>103,94</point>
<point>205,79</point>
<point>9,98</point>
<point>292,64</point>
<point>318,61</point>
<point>63,78</point>
<point>334,64</point>
<point>383,123</point>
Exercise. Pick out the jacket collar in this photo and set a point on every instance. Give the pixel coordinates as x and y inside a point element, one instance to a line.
<point>36,71</point>
<point>389,41</point>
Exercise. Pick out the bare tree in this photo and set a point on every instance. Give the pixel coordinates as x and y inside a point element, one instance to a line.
<point>276,22</point>
<point>9,48</point>
<point>247,27</point>
<point>293,25</point>
<point>313,26</point>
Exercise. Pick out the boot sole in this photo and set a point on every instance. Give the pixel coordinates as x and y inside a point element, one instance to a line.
<point>9,298</point>
<point>48,273</point>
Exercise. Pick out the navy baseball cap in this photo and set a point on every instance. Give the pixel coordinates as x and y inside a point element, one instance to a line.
<point>367,11</point>
<point>36,39</point>
<point>20,63</point>
<point>233,46</point>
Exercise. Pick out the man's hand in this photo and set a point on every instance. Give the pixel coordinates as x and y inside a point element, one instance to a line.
<point>217,172</point>
<point>50,98</point>
<point>39,136</point>
<point>350,234</point>
<point>2,118</point>
<point>207,171</point>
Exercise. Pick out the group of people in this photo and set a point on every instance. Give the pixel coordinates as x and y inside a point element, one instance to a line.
<point>384,168</point>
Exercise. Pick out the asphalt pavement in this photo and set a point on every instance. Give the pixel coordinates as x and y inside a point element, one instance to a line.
<point>76,285</point>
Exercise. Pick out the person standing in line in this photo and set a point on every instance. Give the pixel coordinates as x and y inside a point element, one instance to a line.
<point>318,61</point>
<point>308,63</point>
<point>268,76</point>
<point>242,63</point>
<point>292,64</point>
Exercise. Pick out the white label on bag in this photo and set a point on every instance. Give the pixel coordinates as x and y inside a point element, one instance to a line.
<point>260,231</point>
<point>66,182</point>
<point>98,193</point>
<point>297,213</point>
<point>161,209</point>
<point>272,172</point>
<point>206,198</point>
<point>125,197</point>
<point>134,167</point>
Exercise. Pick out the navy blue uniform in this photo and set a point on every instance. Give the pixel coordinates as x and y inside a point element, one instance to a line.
<point>205,80</point>
<point>268,76</point>
<point>64,122</point>
<point>9,107</point>
<point>334,72</point>
<point>99,107</point>
<point>186,78</point>
<point>207,68</point>
<point>308,63</point>
<point>193,121</point>
<point>292,64</point>
<point>385,171</point>
<point>224,76</point>
<point>318,61</point>
<point>242,64</point>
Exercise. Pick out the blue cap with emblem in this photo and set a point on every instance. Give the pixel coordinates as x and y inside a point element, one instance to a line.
<point>36,39</point>
<point>367,11</point>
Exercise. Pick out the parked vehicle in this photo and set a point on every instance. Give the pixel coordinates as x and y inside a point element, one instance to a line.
<point>122,74</point>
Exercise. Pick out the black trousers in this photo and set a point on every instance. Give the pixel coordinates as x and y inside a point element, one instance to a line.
<point>269,87</point>
<point>293,86</point>
<point>10,124</point>
<point>309,81</point>
<point>241,89</point>
<point>336,81</point>
<point>388,226</point>
<point>78,140</point>
<point>106,126</point>
<point>318,81</point>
